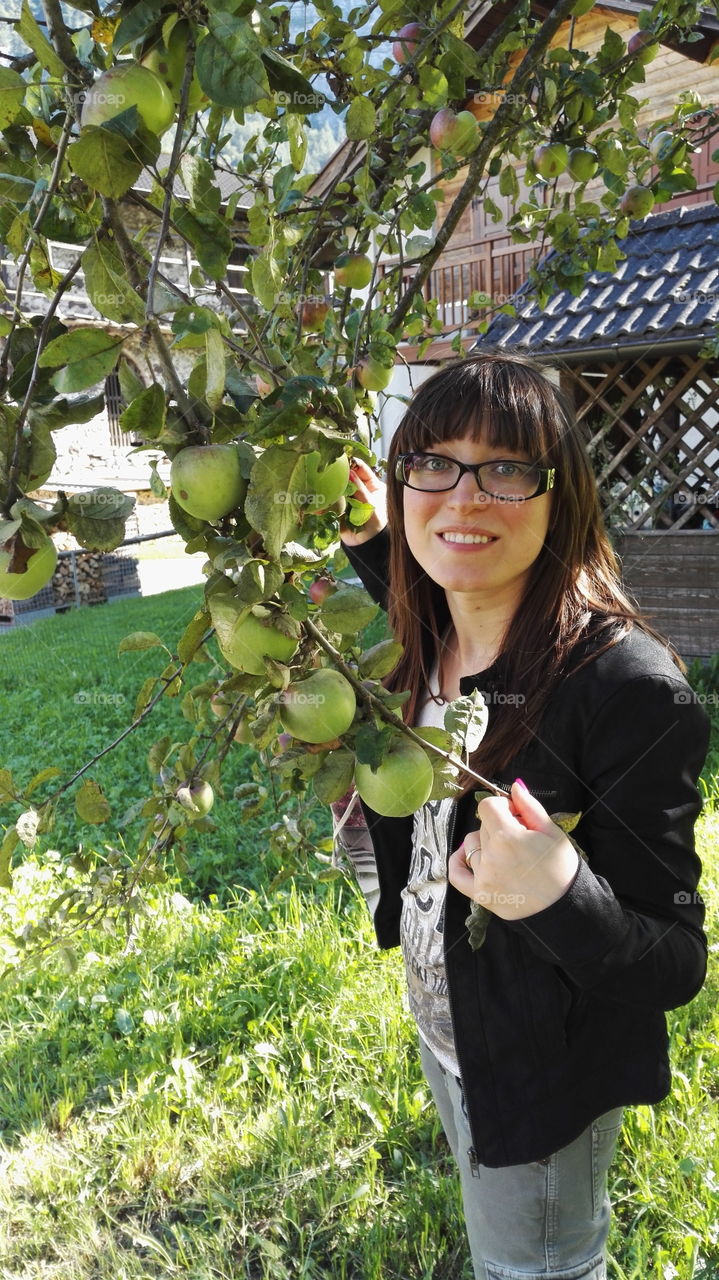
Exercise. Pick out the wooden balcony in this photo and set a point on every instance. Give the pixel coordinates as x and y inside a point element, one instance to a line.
<point>483,258</point>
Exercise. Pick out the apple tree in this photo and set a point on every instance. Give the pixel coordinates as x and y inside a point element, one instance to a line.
<point>280,392</point>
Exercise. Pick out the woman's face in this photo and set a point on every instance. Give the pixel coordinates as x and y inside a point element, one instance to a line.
<point>497,568</point>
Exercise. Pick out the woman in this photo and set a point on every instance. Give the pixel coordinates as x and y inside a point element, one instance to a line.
<point>497,575</point>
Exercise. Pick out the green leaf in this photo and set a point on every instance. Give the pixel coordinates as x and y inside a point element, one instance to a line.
<point>108,287</point>
<point>198,177</point>
<point>145,415</point>
<point>266,280</point>
<point>378,661</point>
<point>434,86</point>
<point>292,91</point>
<point>271,506</point>
<point>229,62</point>
<point>193,635</point>
<point>333,779</point>
<point>208,235</point>
<point>297,138</point>
<point>10,842</point>
<point>466,719</point>
<point>137,640</point>
<point>105,160</point>
<point>8,790</point>
<point>37,450</point>
<point>87,354</point>
<point>361,120</point>
<point>348,610</point>
<point>139,19</point>
<point>147,689</point>
<point>215,366</point>
<point>44,775</point>
<point>91,803</point>
<point>16,189</point>
<point>29,31</point>
<point>477,923</point>
<point>12,92</point>
<point>66,410</point>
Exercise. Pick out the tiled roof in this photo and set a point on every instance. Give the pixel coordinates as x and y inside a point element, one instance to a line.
<point>666,289</point>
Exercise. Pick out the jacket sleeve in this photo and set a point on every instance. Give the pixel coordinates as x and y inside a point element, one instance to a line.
<point>370,560</point>
<point>629,927</point>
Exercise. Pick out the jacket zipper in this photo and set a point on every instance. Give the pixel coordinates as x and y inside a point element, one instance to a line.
<point>472,1153</point>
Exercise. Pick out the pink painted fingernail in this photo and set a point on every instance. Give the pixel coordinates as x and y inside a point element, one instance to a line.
<point>519,783</point>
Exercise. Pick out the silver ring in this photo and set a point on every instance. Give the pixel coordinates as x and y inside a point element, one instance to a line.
<point>469,854</point>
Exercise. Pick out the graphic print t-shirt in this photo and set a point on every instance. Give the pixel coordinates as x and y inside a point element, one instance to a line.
<point>422,922</point>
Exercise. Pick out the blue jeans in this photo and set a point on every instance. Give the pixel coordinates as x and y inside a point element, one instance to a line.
<point>547,1220</point>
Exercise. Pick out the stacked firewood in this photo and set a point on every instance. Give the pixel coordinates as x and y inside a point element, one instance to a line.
<point>78,579</point>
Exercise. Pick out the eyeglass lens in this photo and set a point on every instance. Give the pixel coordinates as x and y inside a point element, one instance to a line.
<point>501,479</point>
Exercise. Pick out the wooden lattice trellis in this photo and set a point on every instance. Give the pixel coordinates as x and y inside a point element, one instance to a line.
<point>651,426</point>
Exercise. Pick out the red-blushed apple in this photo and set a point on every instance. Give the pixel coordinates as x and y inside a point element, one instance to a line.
<point>636,202</point>
<point>263,388</point>
<point>25,570</point>
<point>320,589</point>
<point>550,159</point>
<point>129,85</point>
<point>353,270</point>
<point>372,375</point>
<point>198,798</point>
<point>313,312</point>
<point>583,163</point>
<point>401,784</point>
<point>319,708</point>
<point>207,482</point>
<point>643,46</point>
<point>406,42</point>
<point>457,133</point>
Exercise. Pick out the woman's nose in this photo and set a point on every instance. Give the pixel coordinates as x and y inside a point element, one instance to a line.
<point>467,491</point>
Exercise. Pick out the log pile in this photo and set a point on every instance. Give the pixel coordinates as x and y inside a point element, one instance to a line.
<point>78,579</point>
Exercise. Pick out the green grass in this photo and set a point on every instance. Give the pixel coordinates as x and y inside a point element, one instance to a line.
<point>234,1093</point>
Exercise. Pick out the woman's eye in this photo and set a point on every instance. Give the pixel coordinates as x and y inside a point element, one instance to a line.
<point>429,464</point>
<point>507,470</point>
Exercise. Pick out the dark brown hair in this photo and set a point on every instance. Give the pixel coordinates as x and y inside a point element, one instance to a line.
<point>573,590</point>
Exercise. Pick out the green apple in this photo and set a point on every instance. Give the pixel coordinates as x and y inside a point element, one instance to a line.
<point>353,270</point>
<point>168,61</point>
<point>401,784</point>
<point>636,202</point>
<point>207,482</point>
<point>320,485</point>
<point>246,638</point>
<point>550,159</point>
<point>583,163</point>
<point>662,146</point>
<point>457,134</point>
<point>372,375</point>
<point>25,570</point>
<point>129,85</point>
<point>319,708</point>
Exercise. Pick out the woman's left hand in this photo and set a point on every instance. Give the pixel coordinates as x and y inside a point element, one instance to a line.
<point>524,861</point>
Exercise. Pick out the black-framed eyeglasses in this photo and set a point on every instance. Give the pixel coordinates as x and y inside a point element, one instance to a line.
<point>504,478</point>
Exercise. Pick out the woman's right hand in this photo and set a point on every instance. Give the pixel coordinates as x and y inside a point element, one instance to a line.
<point>370,489</point>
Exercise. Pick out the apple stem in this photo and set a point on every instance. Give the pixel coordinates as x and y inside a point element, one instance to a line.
<point>385,714</point>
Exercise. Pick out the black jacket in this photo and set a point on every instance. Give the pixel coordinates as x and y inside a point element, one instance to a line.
<point>559,1016</point>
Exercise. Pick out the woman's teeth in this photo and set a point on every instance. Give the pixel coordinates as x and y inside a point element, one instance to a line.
<point>466,537</point>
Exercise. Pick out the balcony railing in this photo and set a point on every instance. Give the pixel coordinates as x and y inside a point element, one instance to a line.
<point>175,269</point>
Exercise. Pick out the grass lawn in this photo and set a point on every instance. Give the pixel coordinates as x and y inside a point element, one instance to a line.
<point>236,1094</point>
